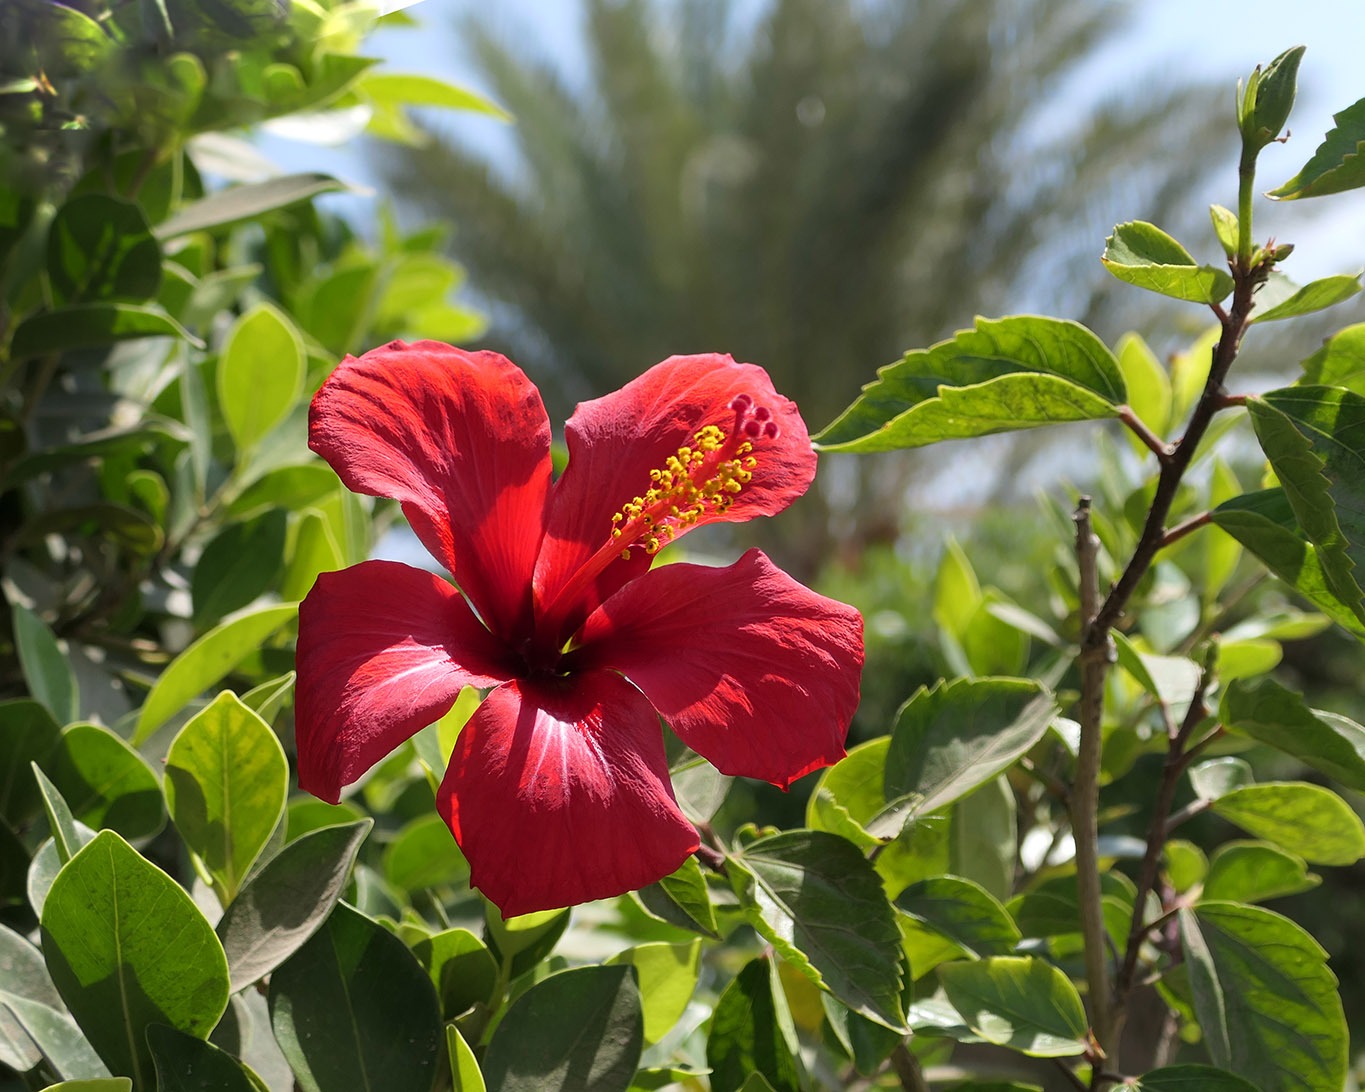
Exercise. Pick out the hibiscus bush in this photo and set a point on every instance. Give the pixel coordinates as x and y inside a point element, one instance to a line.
<point>276,813</point>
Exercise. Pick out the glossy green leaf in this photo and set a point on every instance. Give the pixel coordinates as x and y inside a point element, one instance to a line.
<point>525,940</point>
<point>100,248</point>
<point>1148,385</point>
<point>752,1032</point>
<point>462,969</point>
<point>1306,819</point>
<point>28,734</point>
<point>1254,872</point>
<point>577,1029</point>
<point>424,854</point>
<point>267,699</point>
<point>1337,165</point>
<point>282,905</point>
<point>1340,362</point>
<point>260,374</point>
<point>1006,374</point>
<point>682,899</point>
<point>106,783</point>
<point>1225,227</point>
<point>667,977</point>
<point>1185,863</point>
<point>226,784</point>
<point>205,663</point>
<point>963,912</point>
<point>127,948</point>
<point>185,1063</point>
<point>1267,712</point>
<point>1191,1078</point>
<point>464,1067</point>
<point>353,1009</point>
<point>1219,776</point>
<point>1266,1001</point>
<point>46,669</point>
<point>247,202</point>
<point>1142,254</point>
<point>1281,298</point>
<point>56,1037</point>
<point>93,325</point>
<point>948,740</point>
<point>818,901</point>
<point>67,834</point>
<point>238,564</point>
<point>1022,1002</point>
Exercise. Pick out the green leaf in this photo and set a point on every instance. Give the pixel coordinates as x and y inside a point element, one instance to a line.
<point>1191,1078</point>
<point>390,92</point>
<point>1141,254</point>
<point>462,969</point>
<point>1148,384</point>
<point>1337,165</point>
<point>1264,523</point>
<point>577,1029</point>
<point>817,900</point>
<point>1009,373</point>
<point>353,1009</point>
<point>260,374</point>
<point>682,899</point>
<point>464,1067</point>
<point>127,948</point>
<point>1219,776</point>
<point>962,911</point>
<point>424,854</point>
<point>525,940</point>
<point>28,734</point>
<point>1225,227</point>
<point>50,678</point>
<point>100,248</point>
<point>188,1064</point>
<point>106,783</point>
<point>667,977</point>
<point>751,1032</point>
<point>93,325</point>
<point>1340,362</point>
<point>315,551</point>
<point>1021,1002</point>
<point>1266,1000</point>
<point>1281,298</point>
<point>282,905</point>
<point>984,837</point>
<point>1269,713</point>
<point>239,564</point>
<point>247,203</point>
<point>1269,98</point>
<point>226,784</point>
<point>1254,872</point>
<point>56,1037</point>
<point>1306,819</point>
<point>205,663</point>
<point>24,975</point>
<point>948,740</point>
<point>67,834</point>
<point>1185,864</point>
<point>97,1084</point>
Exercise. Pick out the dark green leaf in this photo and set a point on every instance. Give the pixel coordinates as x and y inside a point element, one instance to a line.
<point>1337,165</point>
<point>68,836</point>
<point>50,678</point>
<point>1255,871</point>
<point>1192,1078</point>
<point>127,948</point>
<point>1021,1002</point>
<point>424,854</point>
<point>1281,298</point>
<point>1142,254</point>
<point>239,564</point>
<point>984,837</point>
<point>819,902</point>
<point>100,248</point>
<point>226,784</point>
<point>577,1029</point>
<point>1272,94</point>
<point>963,912</point>
<point>93,325</point>
<point>285,902</point>
<point>1005,374</point>
<point>28,734</point>
<point>247,202</point>
<point>751,1032</point>
<point>185,1063</point>
<point>352,1009</point>
<point>462,969</point>
<point>1264,710</point>
<point>682,899</point>
<point>1306,819</point>
<point>106,783</point>
<point>125,527</point>
<point>1266,1000</point>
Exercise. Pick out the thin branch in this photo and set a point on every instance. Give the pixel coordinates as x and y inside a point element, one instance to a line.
<point>908,1070</point>
<point>1180,530</point>
<point>1188,812</point>
<point>1070,1074</point>
<point>1159,447</point>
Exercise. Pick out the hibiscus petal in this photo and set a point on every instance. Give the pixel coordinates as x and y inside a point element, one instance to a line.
<point>463,441</point>
<point>614,442</point>
<point>755,672</point>
<point>383,651</point>
<point>558,793</point>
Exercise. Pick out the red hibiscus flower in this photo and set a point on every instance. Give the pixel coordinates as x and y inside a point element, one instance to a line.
<point>558,789</point>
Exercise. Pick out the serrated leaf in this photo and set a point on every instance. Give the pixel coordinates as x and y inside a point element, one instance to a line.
<point>820,903</point>
<point>1281,298</point>
<point>1337,165</point>
<point>1271,714</point>
<point>1255,871</point>
<point>1266,1000</point>
<point>1010,373</point>
<point>577,1029</point>
<point>127,948</point>
<point>752,1032</point>
<point>1306,819</point>
<point>1143,255</point>
<point>1021,1002</point>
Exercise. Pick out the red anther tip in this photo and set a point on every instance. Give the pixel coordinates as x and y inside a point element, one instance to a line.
<point>741,402</point>
<point>762,413</point>
<point>770,430</point>
<point>753,429</point>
